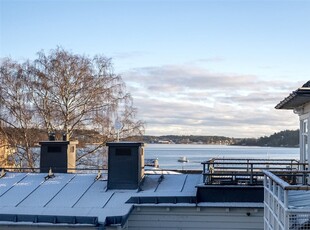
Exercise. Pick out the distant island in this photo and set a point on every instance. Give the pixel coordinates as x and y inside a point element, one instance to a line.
<point>286,138</point>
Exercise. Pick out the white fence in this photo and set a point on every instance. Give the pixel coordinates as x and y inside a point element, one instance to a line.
<point>285,206</point>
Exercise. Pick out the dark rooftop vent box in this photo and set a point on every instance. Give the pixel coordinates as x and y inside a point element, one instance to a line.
<point>125,165</point>
<point>60,156</point>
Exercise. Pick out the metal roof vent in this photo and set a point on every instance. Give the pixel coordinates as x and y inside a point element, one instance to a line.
<point>125,165</point>
<point>51,136</point>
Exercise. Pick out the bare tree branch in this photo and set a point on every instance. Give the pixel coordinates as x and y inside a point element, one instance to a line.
<point>61,91</point>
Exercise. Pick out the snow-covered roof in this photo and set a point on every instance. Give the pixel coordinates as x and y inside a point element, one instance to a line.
<point>299,199</point>
<point>81,199</point>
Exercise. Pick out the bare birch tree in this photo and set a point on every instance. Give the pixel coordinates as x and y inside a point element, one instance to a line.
<point>61,92</point>
<point>73,91</point>
<point>17,113</point>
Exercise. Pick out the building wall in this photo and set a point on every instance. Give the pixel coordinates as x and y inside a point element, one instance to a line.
<point>154,218</point>
<point>5,153</point>
<point>304,135</point>
<point>306,108</point>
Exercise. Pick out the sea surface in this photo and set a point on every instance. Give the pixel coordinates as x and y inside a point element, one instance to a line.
<point>168,154</point>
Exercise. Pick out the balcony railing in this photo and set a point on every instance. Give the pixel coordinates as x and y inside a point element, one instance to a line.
<point>286,200</point>
<point>233,171</point>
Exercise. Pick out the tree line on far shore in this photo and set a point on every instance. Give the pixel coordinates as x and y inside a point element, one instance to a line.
<point>286,138</point>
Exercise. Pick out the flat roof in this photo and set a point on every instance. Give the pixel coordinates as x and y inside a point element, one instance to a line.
<point>81,199</point>
<point>299,199</point>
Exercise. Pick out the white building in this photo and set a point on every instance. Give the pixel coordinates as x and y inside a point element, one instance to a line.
<point>299,102</point>
<point>287,197</point>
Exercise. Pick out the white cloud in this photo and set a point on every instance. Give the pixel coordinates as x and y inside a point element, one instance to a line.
<point>187,100</point>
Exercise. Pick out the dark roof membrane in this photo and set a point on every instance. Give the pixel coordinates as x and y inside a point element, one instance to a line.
<point>49,219</point>
<point>307,84</point>
<point>297,98</point>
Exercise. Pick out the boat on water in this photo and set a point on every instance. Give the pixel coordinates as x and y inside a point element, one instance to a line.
<point>183,159</point>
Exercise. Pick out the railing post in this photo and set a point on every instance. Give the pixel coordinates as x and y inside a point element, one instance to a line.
<point>285,198</point>
<point>303,178</point>
<point>291,164</point>
<point>303,167</point>
<point>251,178</point>
<point>286,213</point>
<point>203,172</point>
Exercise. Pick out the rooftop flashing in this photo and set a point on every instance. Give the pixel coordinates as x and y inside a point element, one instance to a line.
<point>232,204</point>
<point>49,219</point>
<point>57,142</point>
<point>124,143</point>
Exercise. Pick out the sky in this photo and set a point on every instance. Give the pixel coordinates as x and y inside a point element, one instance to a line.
<point>193,67</point>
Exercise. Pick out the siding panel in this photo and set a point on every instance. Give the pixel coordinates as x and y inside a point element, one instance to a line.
<point>186,218</point>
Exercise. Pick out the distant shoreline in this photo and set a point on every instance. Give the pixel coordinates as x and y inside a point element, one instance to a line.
<point>286,138</point>
<point>297,146</point>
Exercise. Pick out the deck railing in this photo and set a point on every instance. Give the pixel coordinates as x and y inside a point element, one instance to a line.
<point>286,200</point>
<point>243,171</point>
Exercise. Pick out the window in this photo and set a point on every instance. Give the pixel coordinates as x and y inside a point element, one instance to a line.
<point>304,140</point>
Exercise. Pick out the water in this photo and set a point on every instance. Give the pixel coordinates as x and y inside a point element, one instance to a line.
<point>168,155</point>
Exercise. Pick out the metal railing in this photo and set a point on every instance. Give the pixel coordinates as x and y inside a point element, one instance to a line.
<point>286,200</point>
<point>243,171</point>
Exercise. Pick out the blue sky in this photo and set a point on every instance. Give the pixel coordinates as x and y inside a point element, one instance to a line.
<point>213,67</point>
